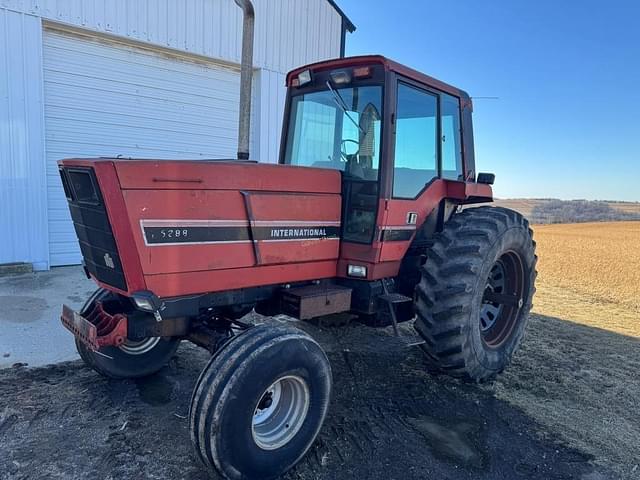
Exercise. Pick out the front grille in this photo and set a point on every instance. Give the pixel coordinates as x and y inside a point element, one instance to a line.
<point>97,243</point>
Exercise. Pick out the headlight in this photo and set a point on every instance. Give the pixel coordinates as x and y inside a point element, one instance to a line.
<point>340,77</point>
<point>357,271</point>
<point>304,77</point>
<point>147,301</point>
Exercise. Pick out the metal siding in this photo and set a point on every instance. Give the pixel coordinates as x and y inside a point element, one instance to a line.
<point>270,110</point>
<point>108,99</point>
<point>289,33</point>
<point>23,220</point>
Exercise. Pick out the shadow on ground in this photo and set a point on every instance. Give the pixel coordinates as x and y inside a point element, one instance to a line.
<point>581,382</point>
<point>389,419</point>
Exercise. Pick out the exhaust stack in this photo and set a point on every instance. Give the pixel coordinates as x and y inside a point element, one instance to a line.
<point>246,76</point>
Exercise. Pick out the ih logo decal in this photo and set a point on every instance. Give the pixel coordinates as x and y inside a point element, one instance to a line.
<point>108,261</point>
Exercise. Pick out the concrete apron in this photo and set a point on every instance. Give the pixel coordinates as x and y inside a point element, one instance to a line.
<point>30,306</point>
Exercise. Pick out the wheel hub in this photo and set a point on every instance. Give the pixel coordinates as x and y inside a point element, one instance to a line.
<point>266,402</point>
<point>502,299</point>
<point>490,311</point>
<point>280,412</point>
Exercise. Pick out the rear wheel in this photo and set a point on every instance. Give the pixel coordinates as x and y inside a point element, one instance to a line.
<point>260,402</point>
<point>475,293</point>
<point>132,359</point>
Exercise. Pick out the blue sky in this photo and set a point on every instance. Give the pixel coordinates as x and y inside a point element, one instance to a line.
<point>567,74</point>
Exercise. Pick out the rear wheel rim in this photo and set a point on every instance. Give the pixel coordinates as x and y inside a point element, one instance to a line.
<point>280,412</point>
<point>502,299</point>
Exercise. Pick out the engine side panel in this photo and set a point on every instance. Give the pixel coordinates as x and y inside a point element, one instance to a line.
<point>185,227</point>
<point>178,284</point>
<point>210,226</point>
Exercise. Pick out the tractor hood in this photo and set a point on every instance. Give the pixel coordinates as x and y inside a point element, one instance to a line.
<point>184,227</point>
<point>224,175</point>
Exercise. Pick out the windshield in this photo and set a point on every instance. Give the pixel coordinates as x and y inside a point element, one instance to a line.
<point>337,128</point>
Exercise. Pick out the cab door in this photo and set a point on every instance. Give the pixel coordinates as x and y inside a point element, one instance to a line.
<point>426,154</point>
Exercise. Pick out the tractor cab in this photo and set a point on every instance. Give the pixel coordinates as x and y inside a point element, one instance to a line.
<point>403,143</point>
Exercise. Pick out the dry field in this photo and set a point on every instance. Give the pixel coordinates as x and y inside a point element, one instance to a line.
<point>577,372</point>
<point>590,272</point>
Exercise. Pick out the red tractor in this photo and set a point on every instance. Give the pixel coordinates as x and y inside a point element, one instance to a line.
<point>363,214</point>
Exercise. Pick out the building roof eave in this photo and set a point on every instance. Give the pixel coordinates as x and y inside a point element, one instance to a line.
<point>348,24</point>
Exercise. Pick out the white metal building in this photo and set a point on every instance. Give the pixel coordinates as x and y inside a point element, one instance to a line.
<point>139,78</point>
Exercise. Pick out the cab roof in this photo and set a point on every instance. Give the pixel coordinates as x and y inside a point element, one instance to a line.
<point>388,64</point>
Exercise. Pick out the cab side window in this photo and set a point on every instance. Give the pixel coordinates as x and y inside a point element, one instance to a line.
<point>451,137</point>
<point>416,142</point>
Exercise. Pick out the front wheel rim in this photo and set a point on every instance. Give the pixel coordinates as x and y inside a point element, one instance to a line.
<point>503,299</point>
<point>133,347</point>
<point>280,412</point>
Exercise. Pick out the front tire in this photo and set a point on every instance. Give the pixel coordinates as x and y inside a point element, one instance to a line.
<point>260,402</point>
<point>475,294</point>
<point>131,359</point>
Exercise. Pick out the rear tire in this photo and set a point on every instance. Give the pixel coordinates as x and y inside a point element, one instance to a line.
<point>475,294</point>
<point>260,402</point>
<point>132,359</point>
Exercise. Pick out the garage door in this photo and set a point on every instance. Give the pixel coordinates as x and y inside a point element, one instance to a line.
<point>108,99</point>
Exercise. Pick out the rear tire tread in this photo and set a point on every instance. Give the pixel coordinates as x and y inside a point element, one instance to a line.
<point>446,291</point>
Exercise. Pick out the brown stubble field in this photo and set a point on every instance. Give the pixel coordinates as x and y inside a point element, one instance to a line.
<point>578,370</point>
<point>591,272</point>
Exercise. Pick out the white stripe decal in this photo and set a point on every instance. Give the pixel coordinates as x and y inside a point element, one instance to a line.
<point>217,242</point>
<point>237,223</point>
<point>194,223</point>
<point>294,223</point>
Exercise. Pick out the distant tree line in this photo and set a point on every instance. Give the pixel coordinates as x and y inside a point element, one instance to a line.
<point>577,211</point>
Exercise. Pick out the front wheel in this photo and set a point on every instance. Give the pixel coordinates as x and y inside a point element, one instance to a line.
<point>475,294</point>
<point>260,402</point>
<point>132,359</point>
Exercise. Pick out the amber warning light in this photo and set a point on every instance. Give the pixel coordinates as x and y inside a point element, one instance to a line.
<point>362,72</point>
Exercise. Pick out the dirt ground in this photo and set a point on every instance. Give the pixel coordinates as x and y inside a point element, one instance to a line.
<point>389,419</point>
<point>567,407</point>
<point>582,384</point>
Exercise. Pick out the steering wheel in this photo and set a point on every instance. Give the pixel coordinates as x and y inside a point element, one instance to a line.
<point>343,150</point>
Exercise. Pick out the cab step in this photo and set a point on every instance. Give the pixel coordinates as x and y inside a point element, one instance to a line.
<point>394,301</point>
<point>394,298</point>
